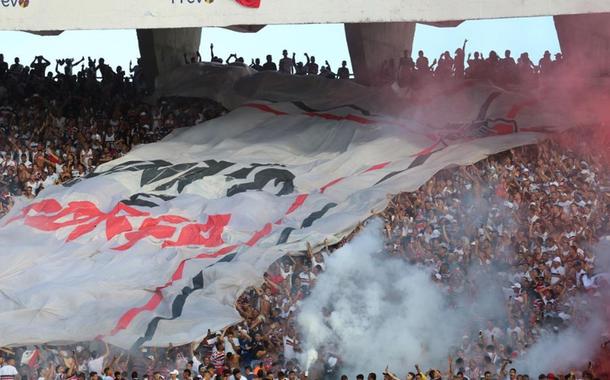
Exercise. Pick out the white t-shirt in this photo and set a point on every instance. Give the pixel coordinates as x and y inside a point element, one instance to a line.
<point>196,364</point>
<point>229,347</point>
<point>289,344</point>
<point>96,365</point>
<point>306,278</point>
<point>495,332</point>
<point>8,372</point>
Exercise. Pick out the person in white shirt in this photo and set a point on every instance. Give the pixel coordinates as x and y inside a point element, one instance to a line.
<point>8,370</point>
<point>237,375</point>
<point>96,364</point>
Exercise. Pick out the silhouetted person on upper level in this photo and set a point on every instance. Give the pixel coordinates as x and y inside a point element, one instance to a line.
<point>16,67</point>
<point>214,58</point>
<point>343,71</point>
<point>69,65</point>
<point>269,65</point>
<point>237,61</point>
<point>3,66</point>
<point>286,64</point>
<point>557,63</point>
<point>445,66</point>
<point>406,69</point>
<point>326,71</point>
<point>311,66</point>
<point>475,66</point>
<point>256,65</point>
<point>406,61</point>
<point>299,67</point>
<point>545,63</point>
<point>106,71</point>
<point>39,66</point>
<point>422,64</point>
<point>459,61</point>
<point>492,63</point>
<point>508,70</point>
<point>526,67</point>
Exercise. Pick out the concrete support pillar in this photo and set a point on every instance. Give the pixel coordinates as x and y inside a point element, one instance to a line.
<point>585,42</point>
<point>373,43</point>
<point>162,50</point>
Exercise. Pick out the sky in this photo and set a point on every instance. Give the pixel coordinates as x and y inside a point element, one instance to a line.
<point>324,41</point>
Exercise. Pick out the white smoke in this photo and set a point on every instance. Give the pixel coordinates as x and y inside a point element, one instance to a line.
<point>372,311</point>
<point>577,345</point>
<point>564,351</point>
<point>379,311</point>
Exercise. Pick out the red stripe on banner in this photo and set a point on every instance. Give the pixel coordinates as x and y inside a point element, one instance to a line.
<point>349,117</point>
<point>331,183</point>
<point>505,128</point>
<point>157,297</point>
<point>336,181</point>
<point>377,167</point>
<point>250,3</point>
<point>427,150</point>
<point>258,235</point>
<point>322,115</point>
<point>265,108</point>
<point>126,319</point>
<point>150,228</point>
<point>298,202</point>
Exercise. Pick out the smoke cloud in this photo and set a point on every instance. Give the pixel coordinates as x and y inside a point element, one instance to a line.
<point>371,311</point>
<point>574,347</point>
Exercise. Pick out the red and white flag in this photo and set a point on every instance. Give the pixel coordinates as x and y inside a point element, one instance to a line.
<point>30,357</point>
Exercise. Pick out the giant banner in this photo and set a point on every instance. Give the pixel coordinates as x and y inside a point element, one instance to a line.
<point>154,248</point>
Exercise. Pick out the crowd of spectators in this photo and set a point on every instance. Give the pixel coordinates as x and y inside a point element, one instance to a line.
<point>530,216</point>
<point>408,72</point>
<point>530,219</point>
<point>54,128</point>
<point>286,65</point>
<point>501,70</point>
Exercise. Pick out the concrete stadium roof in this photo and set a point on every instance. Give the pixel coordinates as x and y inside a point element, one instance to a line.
<point>54,15</point>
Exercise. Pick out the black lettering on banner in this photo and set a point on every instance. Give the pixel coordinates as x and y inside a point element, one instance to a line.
<point>155,172</point>
<point>214,167</point>
<point>132,166</point>
<point>159,173</point>
<point>146,200</point>
<point>307,108</point>
<point>245,172</point>
<point>262,178</point>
